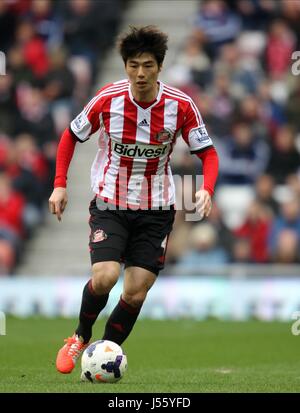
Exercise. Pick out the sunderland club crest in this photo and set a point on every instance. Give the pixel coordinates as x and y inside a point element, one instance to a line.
<point>98,236</point>
<point>164,136</point>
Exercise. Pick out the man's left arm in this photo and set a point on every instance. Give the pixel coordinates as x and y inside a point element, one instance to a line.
<point>210,164</point>
<point>195,135</point>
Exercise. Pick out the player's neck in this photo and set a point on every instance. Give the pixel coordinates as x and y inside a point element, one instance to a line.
<point>147,96</point>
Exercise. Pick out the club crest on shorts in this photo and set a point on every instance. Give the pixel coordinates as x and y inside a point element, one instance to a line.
<point>98,235</point>
<point>164,136</point>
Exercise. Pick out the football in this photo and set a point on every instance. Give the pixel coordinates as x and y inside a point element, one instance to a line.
<point>103,362</point>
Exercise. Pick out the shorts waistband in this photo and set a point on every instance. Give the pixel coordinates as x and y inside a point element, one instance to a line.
<point>104,203</point>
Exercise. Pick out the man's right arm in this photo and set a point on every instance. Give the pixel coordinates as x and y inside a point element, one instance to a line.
<point>58,199</point>
<point>86,123</point>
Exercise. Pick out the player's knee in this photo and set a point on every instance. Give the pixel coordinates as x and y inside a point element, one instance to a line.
<point>104,276</point>
<point>135,300</point>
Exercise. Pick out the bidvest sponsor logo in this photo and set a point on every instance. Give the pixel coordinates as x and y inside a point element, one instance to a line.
<point>140,151</point>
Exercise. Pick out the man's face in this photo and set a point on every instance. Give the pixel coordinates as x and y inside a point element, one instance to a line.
<point>142,71</point>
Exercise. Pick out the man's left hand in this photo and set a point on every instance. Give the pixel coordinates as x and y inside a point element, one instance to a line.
<point>203,203</point>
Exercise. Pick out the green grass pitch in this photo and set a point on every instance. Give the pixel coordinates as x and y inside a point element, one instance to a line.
<point>163,356</point>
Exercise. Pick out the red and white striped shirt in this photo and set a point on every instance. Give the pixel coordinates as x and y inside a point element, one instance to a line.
<point>132,166</point>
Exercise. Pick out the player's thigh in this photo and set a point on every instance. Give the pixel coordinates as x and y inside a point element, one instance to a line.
<point>147,244</point>
<point>109,234</point>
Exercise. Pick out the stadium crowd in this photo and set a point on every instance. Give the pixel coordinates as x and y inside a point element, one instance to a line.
<point>53,51</point>
<point>235,64</point>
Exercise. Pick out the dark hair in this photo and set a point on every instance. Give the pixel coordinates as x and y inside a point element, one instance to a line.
<point>146,39</point>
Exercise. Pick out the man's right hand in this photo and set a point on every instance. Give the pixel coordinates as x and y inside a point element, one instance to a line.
<point>58,202</point>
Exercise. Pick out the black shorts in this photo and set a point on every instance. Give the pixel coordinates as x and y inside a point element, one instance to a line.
<point>135,238</point>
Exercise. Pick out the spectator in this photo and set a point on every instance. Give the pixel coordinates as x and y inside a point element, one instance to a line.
<point>225,236</point>
<point>58,89</point>
<point>30,170</point>
<point>250,112</point>
<point>242,157</point>
<point>177,244</point>
<point>204,250</point>
<point>293,106</point>
<point>245,73</point>
<point>218,23</point>
<point>7,26</point>
<point>7,104</point>
<point>59,82</point>
<point>264,189</point>
<point>196,60</point>
<point>289,219</point>
<point>293,183</point>
<point>272,113</point>
<point>255,13</point>
<point>284,159</point>
<point>47,23</point>
<point>256,230</point>
<point>11,223</point>
<point>33,48</point>
<point>287,248</point>
<point>81,27</point>
<point>241,251</point>
<point>34,116</point>
<point>280,46</point>
<point>18,69</point>
<point>290,12</point>
<point>223,103</point>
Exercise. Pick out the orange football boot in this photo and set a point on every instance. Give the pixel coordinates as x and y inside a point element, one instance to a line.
<point>69,354</point>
